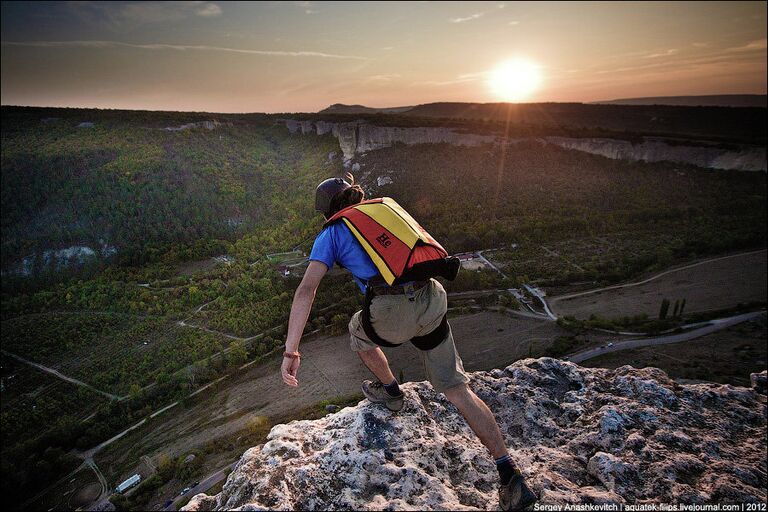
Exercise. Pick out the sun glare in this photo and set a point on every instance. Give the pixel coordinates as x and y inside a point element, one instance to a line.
<point>514,80</point>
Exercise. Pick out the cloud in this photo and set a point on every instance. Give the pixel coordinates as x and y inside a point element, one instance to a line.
<point>177,47</point>
<point>468,18</point>
<point>666,53</point>
<point>307,6</point>
<point>384,78</point>
<point>460,79</point>
<point>208,10</point>
<point>661,66</point>
<point>759,44</point>
<point>467,77</point>
<point>118,16</point>
<point>514,23</point>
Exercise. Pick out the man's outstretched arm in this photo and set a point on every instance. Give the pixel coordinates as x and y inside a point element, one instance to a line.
<point>302,304</point>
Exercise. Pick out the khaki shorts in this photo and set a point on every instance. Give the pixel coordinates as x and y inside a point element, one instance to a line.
<point>397,320</point>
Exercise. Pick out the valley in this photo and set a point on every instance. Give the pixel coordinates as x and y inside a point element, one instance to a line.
<point>180,320</point>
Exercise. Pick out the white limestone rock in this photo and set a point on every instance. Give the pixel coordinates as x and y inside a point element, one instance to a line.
<point>359,137</point>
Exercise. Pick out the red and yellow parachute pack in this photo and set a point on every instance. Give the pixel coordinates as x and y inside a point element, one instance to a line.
<point>400,248</point>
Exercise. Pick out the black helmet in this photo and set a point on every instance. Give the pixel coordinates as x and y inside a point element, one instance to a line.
<point>325,192</point>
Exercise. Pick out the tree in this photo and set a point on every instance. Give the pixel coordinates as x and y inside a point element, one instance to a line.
<point>487,300</point>
<point>664,309</point>
<point>166,467</point>
<point>238,354</point>
<point>338,324</point>
<point>134,393</point>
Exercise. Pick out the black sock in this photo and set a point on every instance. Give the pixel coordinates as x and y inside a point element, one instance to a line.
<point>506,468</point>
<point>393,388</point>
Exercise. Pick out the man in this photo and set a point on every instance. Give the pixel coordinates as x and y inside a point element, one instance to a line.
<point>394,313</point>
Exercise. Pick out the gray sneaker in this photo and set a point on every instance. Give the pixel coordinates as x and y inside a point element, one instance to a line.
<point>375,392</point>
<point>516,495</point>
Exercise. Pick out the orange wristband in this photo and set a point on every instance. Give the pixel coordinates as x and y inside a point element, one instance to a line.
<point>292,355</point>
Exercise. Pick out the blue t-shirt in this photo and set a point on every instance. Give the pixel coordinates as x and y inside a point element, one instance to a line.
<point>337,244</point>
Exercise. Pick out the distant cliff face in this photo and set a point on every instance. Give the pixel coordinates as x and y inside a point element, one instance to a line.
<point>580,435</point>
<point>208,125</point>
<point>60,259</point>
<point>359,137</point>
<point>654,150</point>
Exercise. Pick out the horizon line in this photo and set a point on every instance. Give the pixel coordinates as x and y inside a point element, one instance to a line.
<point>406,106</point>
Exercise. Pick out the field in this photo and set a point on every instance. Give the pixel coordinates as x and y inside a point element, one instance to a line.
<point>36,410</point>
<point>112,352</point>
<point>32,401</point>
<point>75,491</point>
<point>573,262</point>
<point>728,356</point>
<point>712,285</point>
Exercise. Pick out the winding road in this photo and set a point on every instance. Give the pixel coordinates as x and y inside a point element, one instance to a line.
<point>714,325</point>
<point>205,484</point>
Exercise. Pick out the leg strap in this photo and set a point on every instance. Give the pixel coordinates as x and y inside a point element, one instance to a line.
<point>434,338</point>
<point>365,320</point>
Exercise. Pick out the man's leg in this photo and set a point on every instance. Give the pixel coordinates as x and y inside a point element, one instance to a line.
<point>368,351</point>
<point>377,362</point>
<point>514,494</point>
<point>446,373</point>
<point>479,417</point>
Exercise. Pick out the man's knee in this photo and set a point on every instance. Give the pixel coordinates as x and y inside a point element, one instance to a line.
<point>367,352</point>
<point>458,392</point>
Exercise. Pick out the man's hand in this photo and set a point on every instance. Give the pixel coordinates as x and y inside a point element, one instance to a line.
<point>289,369</point>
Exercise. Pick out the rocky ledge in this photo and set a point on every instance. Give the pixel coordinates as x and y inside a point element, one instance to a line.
<point>581,435</point>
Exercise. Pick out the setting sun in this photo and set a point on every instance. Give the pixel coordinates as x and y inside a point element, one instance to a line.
<point>514,80</point>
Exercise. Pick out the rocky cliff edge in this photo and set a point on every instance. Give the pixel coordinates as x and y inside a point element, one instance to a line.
<point>581,435</point>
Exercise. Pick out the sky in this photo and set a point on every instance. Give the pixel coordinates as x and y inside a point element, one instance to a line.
<point>303,56</point>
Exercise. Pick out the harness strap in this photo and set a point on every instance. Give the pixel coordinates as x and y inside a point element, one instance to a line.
<point>365,320</point>
<point>425,342</point>
<point>432,339</point>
